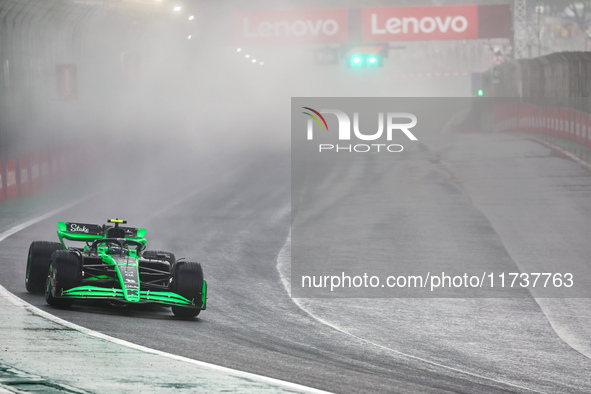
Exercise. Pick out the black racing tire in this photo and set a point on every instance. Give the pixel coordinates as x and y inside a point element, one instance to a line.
<point>65,272</point>
<point>188,282</point>
<point>38,261</point>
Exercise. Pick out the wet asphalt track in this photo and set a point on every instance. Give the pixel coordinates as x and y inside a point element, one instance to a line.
<point>233,217</point>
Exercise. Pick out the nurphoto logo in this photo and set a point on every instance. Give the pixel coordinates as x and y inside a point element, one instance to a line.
<point>395,122</point>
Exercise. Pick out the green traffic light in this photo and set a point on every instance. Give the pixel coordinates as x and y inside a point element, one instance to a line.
<point>363,61</point>
<point>480,92</point>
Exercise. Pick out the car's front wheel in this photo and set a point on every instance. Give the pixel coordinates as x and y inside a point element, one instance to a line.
<point>65,273</point>
<point>188,282</point>
<point>38,261</point>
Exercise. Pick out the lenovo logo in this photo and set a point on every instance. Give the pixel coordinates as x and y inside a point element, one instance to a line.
<point>284,28</point>
<point>293,26</point>
<point>420,23</point>
<point>427,25</point>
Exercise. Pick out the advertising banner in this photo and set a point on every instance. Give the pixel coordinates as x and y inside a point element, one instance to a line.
<point>375,24</point>
<point>420,23</point>
<point>292,26</point>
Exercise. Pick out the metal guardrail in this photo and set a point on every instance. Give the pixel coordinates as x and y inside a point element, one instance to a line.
<point>563,75</point>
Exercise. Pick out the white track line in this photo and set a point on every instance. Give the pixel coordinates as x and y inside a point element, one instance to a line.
<point>34,310</point>
<point>285,256</point>
<point>562,334</point>
<point>22,226</point>
<point>550,145</point>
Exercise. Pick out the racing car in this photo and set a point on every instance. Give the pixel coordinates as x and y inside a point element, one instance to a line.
<point>114,265</point>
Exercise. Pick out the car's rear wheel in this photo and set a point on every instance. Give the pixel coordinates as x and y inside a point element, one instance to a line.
<point>188,282</point>
<point>38,261</point>
<point>64,273</point>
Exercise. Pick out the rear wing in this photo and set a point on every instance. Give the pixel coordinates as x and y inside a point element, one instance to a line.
<point>85,232</point>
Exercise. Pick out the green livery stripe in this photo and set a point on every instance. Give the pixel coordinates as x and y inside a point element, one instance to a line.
<point>94,292</point>
<point>99,277</point>
<point>204,295</point>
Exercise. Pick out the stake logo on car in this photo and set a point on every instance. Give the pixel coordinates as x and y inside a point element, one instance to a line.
<point>75,228</point>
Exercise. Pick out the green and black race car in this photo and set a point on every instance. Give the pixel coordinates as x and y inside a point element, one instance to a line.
<point>114,266</point>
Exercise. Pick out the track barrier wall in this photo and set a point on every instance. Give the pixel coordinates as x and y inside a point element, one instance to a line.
<point>565,128</point>
<point>565,123</point>
<point>548,96</point>
<point>23,164</point>
<point>33,172</point>
<point>11,183</point>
